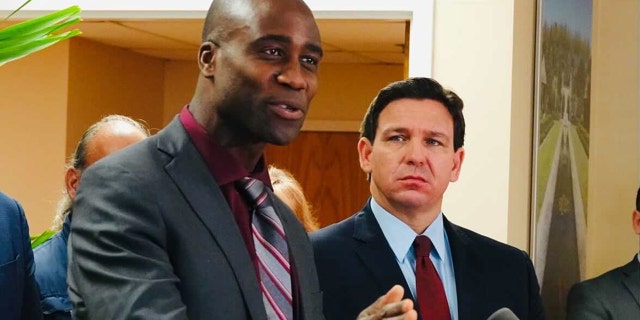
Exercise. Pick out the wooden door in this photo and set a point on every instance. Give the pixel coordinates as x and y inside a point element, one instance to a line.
<point>326,165</point>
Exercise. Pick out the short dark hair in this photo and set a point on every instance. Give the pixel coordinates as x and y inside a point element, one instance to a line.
<point>638,200</point>
<point>415,88</point>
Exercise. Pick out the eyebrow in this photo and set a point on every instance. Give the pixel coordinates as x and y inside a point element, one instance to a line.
<point>315,48</point>
<point>431,133</point>
<point>438,134</point>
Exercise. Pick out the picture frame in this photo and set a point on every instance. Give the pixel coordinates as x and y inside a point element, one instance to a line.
<point>561,148</point>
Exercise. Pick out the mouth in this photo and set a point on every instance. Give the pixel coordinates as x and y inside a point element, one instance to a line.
<point>413,178</point>
<point>287,110</point>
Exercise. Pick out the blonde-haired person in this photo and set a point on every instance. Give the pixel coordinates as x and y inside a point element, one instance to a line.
<point>287,188</point>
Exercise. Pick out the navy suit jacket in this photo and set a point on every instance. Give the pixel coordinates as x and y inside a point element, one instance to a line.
<point>613,295</point>
<point>356,265</point>
<point>19,297</point>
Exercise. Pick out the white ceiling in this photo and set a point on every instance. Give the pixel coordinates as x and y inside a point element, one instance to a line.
<point>344,41</point>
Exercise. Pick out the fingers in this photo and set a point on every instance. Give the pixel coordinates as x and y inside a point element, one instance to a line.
<point>411,315</point>
<point>377,308</point>
<point>397,308</point>
<point>391,307</point>
<point>394,294</point>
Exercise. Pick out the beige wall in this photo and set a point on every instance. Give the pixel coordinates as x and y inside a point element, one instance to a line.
<point>614,154</point>
<point>346,90</point>
<point>179,82</point>
<point>107,80</point>
<point>33,131</point>
<point>473,55</point>
<point>520,161</point>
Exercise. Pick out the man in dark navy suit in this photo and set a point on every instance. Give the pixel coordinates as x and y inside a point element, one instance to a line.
<point>18,290</point>
<point>411,149</point>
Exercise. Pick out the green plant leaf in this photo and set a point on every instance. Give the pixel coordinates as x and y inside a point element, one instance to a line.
<point>23,38</point>
<point>13,53</point>
<point>41,238</point>
<point>39,23</point>
<point>26,38</point>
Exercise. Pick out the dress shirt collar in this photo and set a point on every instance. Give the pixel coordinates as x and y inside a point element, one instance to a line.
<point>224,167</point>
<point>400,236</point>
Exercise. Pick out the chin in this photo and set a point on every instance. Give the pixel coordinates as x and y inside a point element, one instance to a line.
<point>284,137</point>
<point>281,141</point>
<point>412,199</point>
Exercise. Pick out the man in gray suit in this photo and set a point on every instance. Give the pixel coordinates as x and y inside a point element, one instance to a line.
<point>162,230</point>
<point>613,295</point>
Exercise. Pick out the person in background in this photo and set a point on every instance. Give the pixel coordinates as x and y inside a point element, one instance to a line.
<point>614,295</point>
<point>288,189</point>
<point>18,288</point>
<point>411,148</point>
<point>110,134</point>
<point>184,224</point>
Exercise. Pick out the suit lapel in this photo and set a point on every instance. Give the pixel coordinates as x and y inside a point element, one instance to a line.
<point>468,271</point>
<point>631,281</point>
<point>192,177</point>
<point>375,253</point>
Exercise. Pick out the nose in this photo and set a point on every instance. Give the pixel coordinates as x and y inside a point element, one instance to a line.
<point>415,153</point>
<point>292,76</point>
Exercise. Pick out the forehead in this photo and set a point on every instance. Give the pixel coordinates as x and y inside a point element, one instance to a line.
<point>291,19</point>
<point>110,138</point>
<point>418,114</point>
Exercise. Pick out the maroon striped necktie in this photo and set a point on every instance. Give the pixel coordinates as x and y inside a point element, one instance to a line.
<point>271,249</point>
<point>432,301</point>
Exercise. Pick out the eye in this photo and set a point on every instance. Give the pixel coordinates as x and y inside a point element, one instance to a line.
<point>433,142</point>
<point>310,60</point>
<point>398,138</point>
<point>274,52</point>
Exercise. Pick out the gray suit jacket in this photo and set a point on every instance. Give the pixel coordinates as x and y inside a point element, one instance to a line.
<point>613,295</point>
<point>153,237</point>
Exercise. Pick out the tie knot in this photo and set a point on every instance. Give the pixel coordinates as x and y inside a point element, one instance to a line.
<point>422,246</point>
<point>253,190</point>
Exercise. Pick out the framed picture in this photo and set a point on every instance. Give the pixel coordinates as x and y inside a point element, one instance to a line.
<point>561,148</point>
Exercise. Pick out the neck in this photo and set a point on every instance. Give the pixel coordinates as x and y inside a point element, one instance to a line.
<point>417,218</point>
<point>246,152</point>
<point>248,156</point>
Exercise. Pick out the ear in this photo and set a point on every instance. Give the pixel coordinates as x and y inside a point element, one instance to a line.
<point>458,157</point>
<point>364,152</point>
<point>71,181</point>
<point>635,219</point>
<point>206,58</point>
